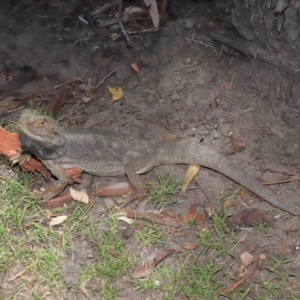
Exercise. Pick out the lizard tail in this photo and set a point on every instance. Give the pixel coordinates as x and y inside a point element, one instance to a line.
<point>193,153</point>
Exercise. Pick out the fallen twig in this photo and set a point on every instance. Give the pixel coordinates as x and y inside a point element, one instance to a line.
<point>107,76</point>
<point>122,28</point>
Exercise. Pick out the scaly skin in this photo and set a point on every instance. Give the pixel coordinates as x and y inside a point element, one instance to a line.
<point>105,153</point>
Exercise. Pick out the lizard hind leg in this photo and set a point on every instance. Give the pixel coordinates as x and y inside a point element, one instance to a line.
<point>134,168</point>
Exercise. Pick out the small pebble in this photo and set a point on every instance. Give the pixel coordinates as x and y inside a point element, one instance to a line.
<point>216,135</point>
<point>188,23</point>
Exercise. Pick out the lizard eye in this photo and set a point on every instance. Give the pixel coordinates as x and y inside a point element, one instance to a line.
<point>39,123</point>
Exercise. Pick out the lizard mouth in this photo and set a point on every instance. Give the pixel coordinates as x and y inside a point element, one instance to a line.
<point>26,129</point>
<point>21,125</point>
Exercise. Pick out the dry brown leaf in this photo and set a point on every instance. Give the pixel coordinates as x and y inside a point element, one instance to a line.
<point>177,234</point>
<point>86,99</point>
<point>171,214</point>
<point>193,216</point>
<point>126,220</point>
<point>153,11</point>
<point>190,245</point>
<point>246,258</point>
<point>229,203</point>
<point>210,211</point>
<point>80,196</point>
<point>58,220</point>
<point>117,93</point>
<point>132,10</point>
<point>190,174</point>
<point>245,198</point>
<point>232,288</point>
<point>134,65</point>
<point>114,36</point>
<point>237,144</point>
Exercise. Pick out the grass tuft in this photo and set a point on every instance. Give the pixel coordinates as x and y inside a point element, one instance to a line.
<point>161,193</point>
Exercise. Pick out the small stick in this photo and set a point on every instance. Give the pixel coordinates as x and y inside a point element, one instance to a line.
<point>122,28</point>
<point>288,108</point>
<point>202,43</point>
<point>282,181</point>
<point>104,8</point>
<point>255,129</point>
<point>107,76</point>
<point>67,82</point>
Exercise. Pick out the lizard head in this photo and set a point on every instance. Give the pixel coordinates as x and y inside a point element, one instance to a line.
<point>40,128</point>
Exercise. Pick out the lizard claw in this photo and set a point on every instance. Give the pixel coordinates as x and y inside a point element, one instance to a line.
<point>38,194</point>
<point>20,159</point>
<point>137,196</point>
<point>49,192</point>
<point>42,195</point>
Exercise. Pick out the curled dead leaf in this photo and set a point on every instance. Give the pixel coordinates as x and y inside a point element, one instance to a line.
<point>126,220</point>
<point>190,174</point>
<point>190,245</point>
<point>86,99</point>
<point>153,11</point>
<point>117,93</point>
<point>229,203</point>
<point>129,10</point>
<point>58,220</point>
<point>80,196</point>
<point>237,144</point>
<point>210,211</point>
<point>246,258</point>
<point>245,198</point>
<point>134,65</point>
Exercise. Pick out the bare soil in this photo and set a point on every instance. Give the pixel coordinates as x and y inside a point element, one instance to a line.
<point>186,84</point>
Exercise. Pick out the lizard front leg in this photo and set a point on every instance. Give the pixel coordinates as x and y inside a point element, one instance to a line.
<point>59,185</point>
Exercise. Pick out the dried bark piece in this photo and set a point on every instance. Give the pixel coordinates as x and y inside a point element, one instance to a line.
<point>56,201</point>
<point>237,144</point>
<point>115,189</point>
<point>248,218</point>
<point>10,145</point>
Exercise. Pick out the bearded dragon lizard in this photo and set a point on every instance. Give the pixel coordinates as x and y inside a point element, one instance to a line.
<point>106,153</point>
